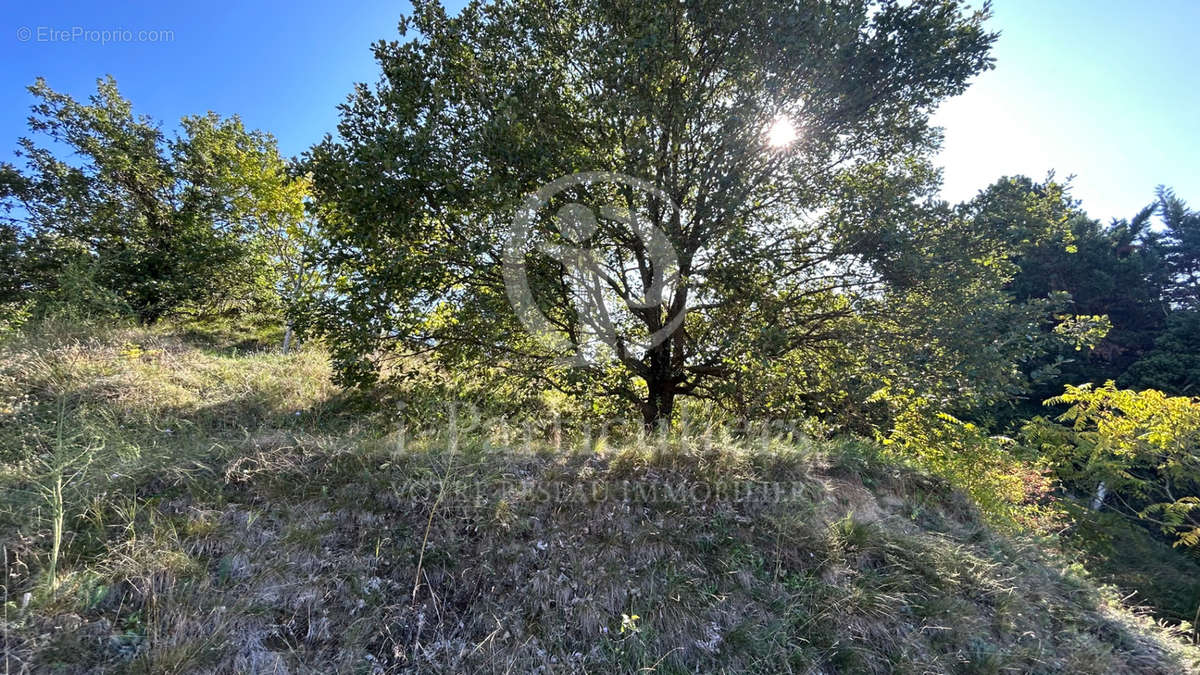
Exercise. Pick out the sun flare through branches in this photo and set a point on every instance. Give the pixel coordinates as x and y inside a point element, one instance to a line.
<point>782,132</point>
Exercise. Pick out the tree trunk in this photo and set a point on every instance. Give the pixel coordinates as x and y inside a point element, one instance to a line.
<point>296,286</point>
<point>659,405</point>
<point>1101,493</point>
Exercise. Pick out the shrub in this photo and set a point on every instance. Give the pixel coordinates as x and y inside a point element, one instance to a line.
<point>1142,448</point>
<point>1009,489</point>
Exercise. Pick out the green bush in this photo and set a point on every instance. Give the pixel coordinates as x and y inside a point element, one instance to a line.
<point>1137,452</point>
<point>1009,489</point>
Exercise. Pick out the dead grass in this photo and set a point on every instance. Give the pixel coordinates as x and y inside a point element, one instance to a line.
<point>220,531</point>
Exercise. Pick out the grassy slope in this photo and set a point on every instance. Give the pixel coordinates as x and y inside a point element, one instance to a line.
<point>234,516</point>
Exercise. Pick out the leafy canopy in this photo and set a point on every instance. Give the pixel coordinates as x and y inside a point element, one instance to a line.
<point>776,245</point>
<point>153,223</point>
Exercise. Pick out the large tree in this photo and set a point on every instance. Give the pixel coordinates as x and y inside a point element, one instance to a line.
<point>1173,365</point>
<point>158,222</point>
<point>1182,244</point>
<point>1114,274</point>
<point>777,141</point>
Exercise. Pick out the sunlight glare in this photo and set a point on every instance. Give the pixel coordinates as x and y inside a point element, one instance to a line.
<point>782,132</point>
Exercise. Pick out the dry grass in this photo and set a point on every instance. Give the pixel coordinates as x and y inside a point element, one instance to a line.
<point>238,519</point>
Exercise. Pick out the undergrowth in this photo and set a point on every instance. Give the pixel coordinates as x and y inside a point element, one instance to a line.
<point>228,510</point>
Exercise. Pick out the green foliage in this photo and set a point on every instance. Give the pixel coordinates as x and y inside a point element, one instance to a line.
<point>164,224</point>
<point>821,278</point>
<point>10,264</point>
<point>1121,552</point>
<point>1083,331</point>
<point>1123,285</point>
<point>1142,446</point>
<point>777,248</point>
<point>13,316</point>
<point>246,185</point>
<point>1173,365</point>
<point>1182,249</point>
<point>78,296</point>
<point>942,328</point>
<point>1010,490</point>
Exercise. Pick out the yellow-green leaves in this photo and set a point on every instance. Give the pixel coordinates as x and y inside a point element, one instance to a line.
<point>1143,445</point>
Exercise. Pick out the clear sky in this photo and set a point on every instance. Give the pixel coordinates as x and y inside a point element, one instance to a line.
<point>1106,90</point>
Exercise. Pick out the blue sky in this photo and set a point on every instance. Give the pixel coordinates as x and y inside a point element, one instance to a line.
<point>1109,91</point>
<point>1106,90</point>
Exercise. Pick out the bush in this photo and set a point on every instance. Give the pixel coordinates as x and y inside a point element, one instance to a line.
<point>1010,490</point>
<point>1139,450</point>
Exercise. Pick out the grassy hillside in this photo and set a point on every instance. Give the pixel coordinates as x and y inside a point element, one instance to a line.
<point>233,512</point>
